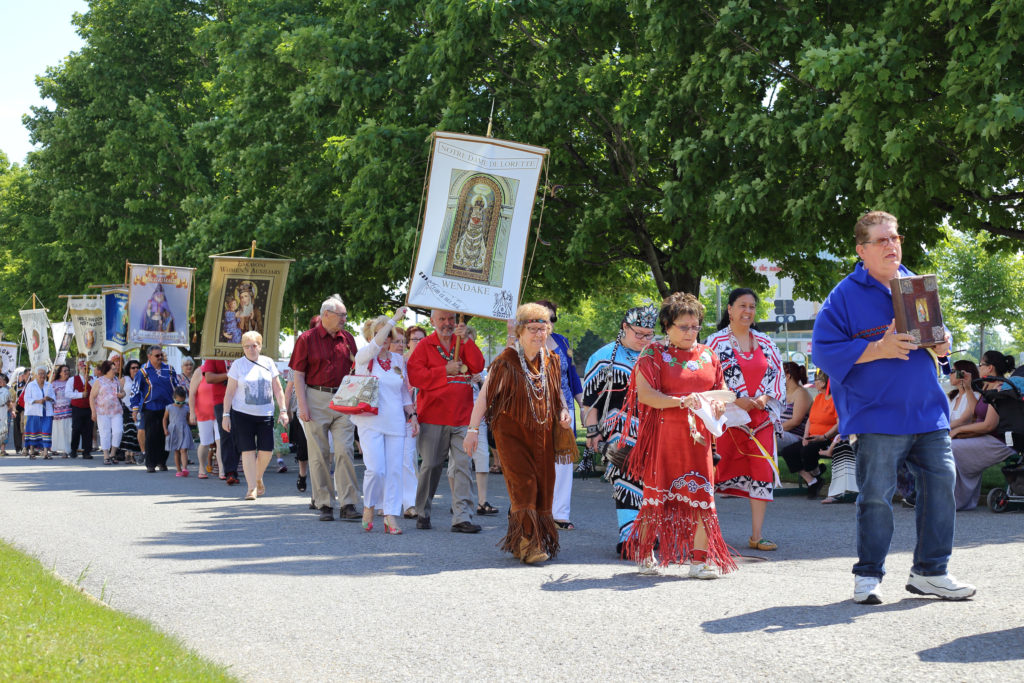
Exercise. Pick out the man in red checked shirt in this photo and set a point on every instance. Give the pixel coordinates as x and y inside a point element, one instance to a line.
<point>444,403</point>
<point>321,358</point>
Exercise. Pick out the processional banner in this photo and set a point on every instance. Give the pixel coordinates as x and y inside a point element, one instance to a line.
<point>63,333</point>
<point>245,294</point>
<point>476,222</point>
<point>90,326</point>
<point>8,360</point>
<point>115,319</point>
<point>158,298</point>
<point>37,337</point>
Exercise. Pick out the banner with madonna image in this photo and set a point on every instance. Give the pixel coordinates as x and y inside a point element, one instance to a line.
<point>476,222</point>
<point>246,294</point>
<point>158,304</point>
<point>87,316</point>
<point>115,319</point>
<point>36,327</point>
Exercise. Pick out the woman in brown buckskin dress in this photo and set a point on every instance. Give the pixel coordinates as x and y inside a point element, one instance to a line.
<point>523,402</point>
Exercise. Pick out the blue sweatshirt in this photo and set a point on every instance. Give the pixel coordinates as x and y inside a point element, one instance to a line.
<point>888,396</point>
<point>154,390</point>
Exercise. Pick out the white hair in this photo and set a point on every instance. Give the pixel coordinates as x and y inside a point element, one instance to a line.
<point>37,368</point>
<point>332,303</point>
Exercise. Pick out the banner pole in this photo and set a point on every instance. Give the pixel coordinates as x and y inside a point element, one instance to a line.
<point>252,252</point>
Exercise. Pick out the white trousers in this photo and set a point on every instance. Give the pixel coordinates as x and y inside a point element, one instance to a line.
<point>410,469</point>
<point>563,492</point>
<point>110,428</point>
<point>383,455</point>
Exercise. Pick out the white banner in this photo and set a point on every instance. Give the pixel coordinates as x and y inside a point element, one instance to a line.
<point>475,225</point>
<point>90,326</point>
<point>8,360</point>
<point>63,333</point>
<point>37,337</point>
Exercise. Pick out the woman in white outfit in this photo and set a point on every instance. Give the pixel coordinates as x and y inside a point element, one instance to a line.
<point>410,468</point>
<point>383,436</point>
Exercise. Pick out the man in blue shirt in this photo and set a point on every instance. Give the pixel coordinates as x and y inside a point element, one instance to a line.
<point>154,390</point>
<point>888,397</point>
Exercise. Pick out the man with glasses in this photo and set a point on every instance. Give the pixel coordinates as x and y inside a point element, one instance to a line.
<point>888,398</point>
<point>605,382</point>
<point>322,356</point>
<point>154,391</point>
<point>444,403</point>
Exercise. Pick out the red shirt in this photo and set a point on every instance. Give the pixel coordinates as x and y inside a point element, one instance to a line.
<point>216,390</point>
<point>443,399</point>
<point>322,358</point>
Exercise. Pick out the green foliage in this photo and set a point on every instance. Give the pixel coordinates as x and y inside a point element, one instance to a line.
<point>51,631</point>
<point>687,139</point>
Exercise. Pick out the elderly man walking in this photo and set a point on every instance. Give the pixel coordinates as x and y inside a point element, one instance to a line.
<point>444,404</point>
<point>322,356</point>
<point>889,400</point>
<point>154,390</point>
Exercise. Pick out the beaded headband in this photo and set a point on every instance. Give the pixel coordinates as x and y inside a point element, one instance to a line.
<point>642,316</point>
<point>534,320</point>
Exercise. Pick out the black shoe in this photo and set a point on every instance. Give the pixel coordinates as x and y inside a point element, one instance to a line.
<point>300,484</point>
<point>150,470</point>
<point>486,508</point>
<point>162,468</point>
<point>74,454</point>
<point>465,528</point>
<point>326,514</point>
<point>423,522</point>
<point>282,468</point>
<point>814,489</point>
<point>312,506</point>
<point>348,513</point>
<point>86,456</point>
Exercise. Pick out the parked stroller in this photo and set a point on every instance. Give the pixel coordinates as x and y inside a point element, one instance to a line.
<point>1008,401</point>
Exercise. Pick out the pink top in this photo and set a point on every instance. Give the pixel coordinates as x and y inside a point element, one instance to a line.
<point>106,402</point>
<point>205,401</point>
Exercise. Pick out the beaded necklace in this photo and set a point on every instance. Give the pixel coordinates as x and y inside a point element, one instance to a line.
<point>745,355</point>
<point>384,363</point>
<point>537,383</point>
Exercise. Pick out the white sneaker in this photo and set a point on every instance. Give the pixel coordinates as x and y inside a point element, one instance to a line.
<point>703,570</point>
<point>650,567</point>
<point>945,586</point>
<point>866,590</point>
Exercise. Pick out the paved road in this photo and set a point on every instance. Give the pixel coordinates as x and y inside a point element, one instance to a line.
<point>277,595</point>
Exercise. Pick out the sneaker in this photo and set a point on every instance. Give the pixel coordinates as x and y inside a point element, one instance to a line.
<point>649,567</point>
<point>348,513</point>
<point>866,590</point>
<point>945,586</point>
<point>326,514</point>
<point>703,570</point>
<point>464,528</point>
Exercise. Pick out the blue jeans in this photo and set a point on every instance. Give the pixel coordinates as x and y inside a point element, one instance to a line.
<point>930,459</point>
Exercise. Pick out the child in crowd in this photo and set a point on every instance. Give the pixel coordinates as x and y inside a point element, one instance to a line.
<point>230,328</point>
<point>176,430</point>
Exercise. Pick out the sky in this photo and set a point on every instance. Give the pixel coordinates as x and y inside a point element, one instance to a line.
<point>37,34</point>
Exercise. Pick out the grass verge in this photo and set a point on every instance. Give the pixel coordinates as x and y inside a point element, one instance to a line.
<point>52,631</point>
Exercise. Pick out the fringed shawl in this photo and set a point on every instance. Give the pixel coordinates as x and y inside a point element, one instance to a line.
<point>509,395</point>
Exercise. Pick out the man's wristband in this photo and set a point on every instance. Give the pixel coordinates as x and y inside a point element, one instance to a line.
<point>592,431</point>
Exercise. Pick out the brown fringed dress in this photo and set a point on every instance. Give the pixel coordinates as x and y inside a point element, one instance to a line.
<point>524,421</point>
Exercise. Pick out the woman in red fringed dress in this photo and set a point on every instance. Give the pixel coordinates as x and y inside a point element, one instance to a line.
<point>673,449</point>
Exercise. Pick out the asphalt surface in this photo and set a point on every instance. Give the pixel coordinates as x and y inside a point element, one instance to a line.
<point>277,595</point>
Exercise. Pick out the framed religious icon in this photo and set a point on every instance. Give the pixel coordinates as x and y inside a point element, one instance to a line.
<point>915,304</point>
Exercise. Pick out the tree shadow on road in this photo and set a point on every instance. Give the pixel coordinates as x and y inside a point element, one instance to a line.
<point>997,646</point>
<point>797,617</point>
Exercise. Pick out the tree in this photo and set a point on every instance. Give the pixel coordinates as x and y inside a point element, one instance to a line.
<point>981,283</point>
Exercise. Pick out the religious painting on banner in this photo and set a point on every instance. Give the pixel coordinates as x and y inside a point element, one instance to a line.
<point>8,358</point>
<point>90,326</point>
<point>63,333</point>
<point>476,223</point>
<point>115,319</point>
<point>37,337</point>
<point>158,304</point>
<point>245,295</point>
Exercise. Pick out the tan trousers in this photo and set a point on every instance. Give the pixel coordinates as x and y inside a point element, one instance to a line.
<point>324,421</point>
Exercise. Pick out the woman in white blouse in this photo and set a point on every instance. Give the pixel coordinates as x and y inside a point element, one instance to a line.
<point>963,400</point>
<point>382,436</point>
<point>39,400</point>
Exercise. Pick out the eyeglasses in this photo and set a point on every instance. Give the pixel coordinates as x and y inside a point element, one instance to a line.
<point>250,346</point>
<point>640,335</point>
<point>885,241</point>
<point>686,328</point>
<point>536,329</point>
<point>157,355</point>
